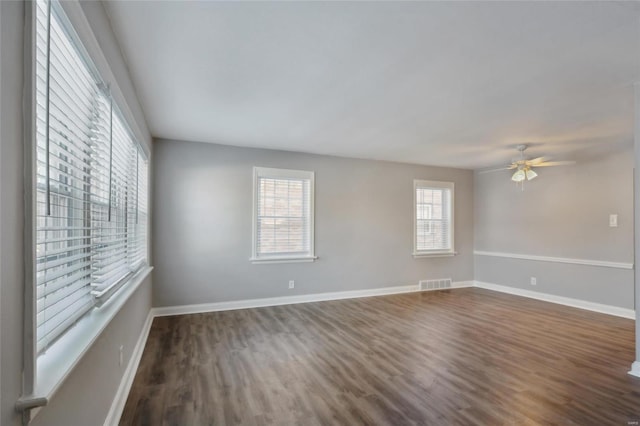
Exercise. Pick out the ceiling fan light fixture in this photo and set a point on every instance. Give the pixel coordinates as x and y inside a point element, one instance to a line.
<point>531,174</point>
<point>522,167</point>
<point>518,176</point>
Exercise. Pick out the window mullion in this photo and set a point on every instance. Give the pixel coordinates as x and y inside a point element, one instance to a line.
<point>48,111</point>
<point>110,157</point>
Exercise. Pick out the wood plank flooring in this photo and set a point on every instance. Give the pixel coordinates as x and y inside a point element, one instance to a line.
<point>464,356</point>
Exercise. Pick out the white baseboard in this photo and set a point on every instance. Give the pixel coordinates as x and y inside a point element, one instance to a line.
<point>635,369</point>
<point>462,284</point>
<point>575,303</point>
<point>284,300</point>
<point>289,300</point>
<point>117,406</point>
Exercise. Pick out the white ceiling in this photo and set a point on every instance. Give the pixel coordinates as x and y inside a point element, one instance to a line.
<point>441,83</point>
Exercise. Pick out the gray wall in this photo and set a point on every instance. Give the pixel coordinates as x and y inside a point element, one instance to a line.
<point>11,268</point>
<point>85,397</point>
<point>562,213</point>
<point>363,225</point>
<point>1,134</point>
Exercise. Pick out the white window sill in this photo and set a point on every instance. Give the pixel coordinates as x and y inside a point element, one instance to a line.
<point>418,255</point>
<point>55,364</point>
<point>283,259</point>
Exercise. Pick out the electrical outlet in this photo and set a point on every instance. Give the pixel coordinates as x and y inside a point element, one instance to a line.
<point>292,284</point>
<point>534,281</point>
<point>121,357</point>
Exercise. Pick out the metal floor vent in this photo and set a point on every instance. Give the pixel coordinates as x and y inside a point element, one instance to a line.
<point>426,285</point>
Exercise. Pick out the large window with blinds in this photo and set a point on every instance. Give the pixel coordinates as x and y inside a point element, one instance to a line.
<point>90,183</point>
<point>283,215</point>
<point>433,218</point>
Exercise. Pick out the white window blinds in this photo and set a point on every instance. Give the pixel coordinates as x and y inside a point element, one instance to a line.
<point>283,214</point>
<point>114,223</point>
<point>433,207</point>
<point>138,246</point>
<point>91,198</point>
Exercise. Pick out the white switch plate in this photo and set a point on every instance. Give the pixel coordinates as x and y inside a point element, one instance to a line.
<point>613,220</point>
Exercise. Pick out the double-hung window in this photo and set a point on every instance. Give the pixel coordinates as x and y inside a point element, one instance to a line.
<point>282,215</point>
<point>90,183</point>
<point>433,218</point>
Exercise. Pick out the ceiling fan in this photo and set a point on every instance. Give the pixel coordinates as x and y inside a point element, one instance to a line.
<point>524,167</point>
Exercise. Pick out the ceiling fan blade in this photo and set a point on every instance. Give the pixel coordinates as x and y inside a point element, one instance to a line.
<point>554,163</point>
<point>494,170</point>
<point>537,160</point>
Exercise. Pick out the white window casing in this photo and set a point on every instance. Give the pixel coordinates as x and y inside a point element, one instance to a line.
<point>433,218</point>
<point>283,215</point>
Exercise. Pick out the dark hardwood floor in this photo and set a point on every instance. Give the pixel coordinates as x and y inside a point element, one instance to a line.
<point>465,356</point>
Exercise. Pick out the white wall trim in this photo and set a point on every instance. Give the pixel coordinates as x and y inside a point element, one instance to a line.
<point>567,301</point>
<point>420,255</point>
<point>462,284</point>
<point>268,260</point>
<point>284,300</point>
<point>289,300</point>
<point>635,369</point>
<point>117,406</point>
<point>602,263</point>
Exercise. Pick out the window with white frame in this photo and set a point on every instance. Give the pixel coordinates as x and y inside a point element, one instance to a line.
<point>90,183</point>
<point>283,215</point>
<point>433,218</point>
